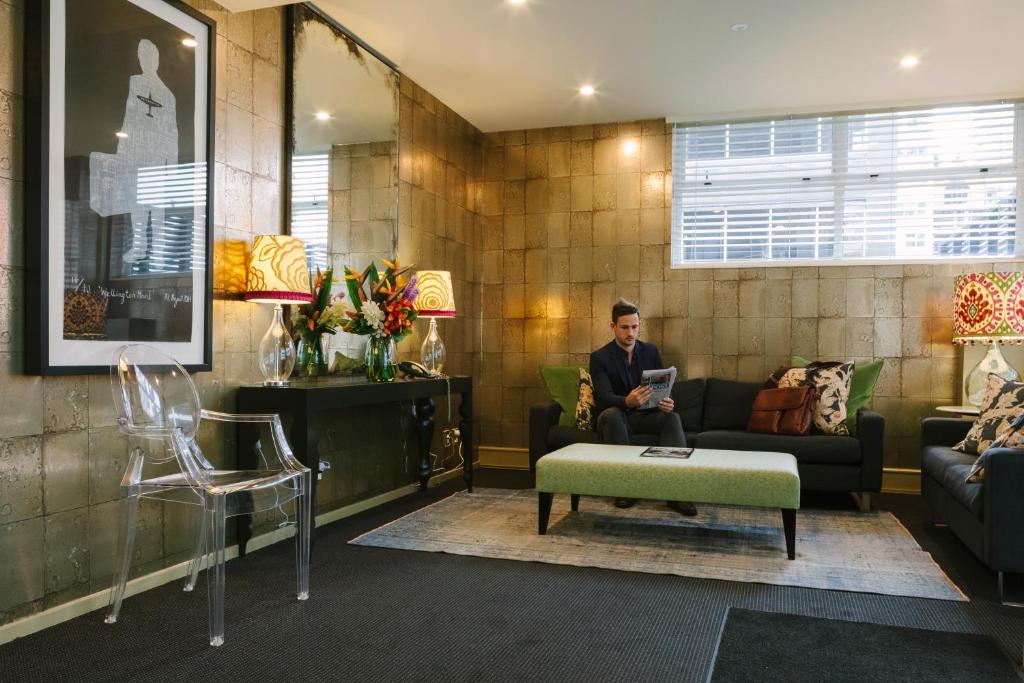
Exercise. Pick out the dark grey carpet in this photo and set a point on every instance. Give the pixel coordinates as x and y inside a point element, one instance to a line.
<point>378,614</point>
<point>769,648</point>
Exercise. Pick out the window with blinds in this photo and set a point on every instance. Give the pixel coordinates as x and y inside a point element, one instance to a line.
<point>925,184</point>
<point>310,220</point>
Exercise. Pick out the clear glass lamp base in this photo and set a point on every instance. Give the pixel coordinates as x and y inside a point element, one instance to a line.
<point>432,351</point>
<point>992,364</point>
<point>276,353</point>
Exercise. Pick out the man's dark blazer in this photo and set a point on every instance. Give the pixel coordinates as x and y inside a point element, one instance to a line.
<point>610,374</point>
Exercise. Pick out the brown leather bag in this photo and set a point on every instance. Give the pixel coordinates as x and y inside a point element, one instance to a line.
<point>789,410</point>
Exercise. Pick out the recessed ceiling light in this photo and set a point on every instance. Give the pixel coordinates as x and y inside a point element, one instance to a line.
<point>322,116</point>
<point>121,134</point>
<point>630,148</point>
<point>587,90</point>
<point>909,62</point>
<point>190,42</point>
<point>739,28</point>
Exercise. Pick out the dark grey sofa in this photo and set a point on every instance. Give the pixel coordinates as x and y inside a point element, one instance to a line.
<point>988,516</point>
<point>715,413</point>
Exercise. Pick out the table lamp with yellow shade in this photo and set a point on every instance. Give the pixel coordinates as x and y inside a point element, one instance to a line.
<point>988,308</point>
<point>278,273</point>
<point>436,299</point>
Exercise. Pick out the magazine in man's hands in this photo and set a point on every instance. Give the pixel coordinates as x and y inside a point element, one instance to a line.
<point>661,382</point>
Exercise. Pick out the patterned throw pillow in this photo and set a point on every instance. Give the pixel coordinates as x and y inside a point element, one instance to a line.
<point>1002,402</point>
<point>585,404</point>
<point>833,383</point>
<point>977,473</point>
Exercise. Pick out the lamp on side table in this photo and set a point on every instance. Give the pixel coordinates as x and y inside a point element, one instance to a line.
<point>278,273</point>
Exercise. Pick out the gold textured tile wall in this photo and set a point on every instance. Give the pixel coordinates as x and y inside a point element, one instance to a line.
<point>574,218</point>
<point>61,457</point>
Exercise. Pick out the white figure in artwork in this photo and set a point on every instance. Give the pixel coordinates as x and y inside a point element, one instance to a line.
<point>147,147</point>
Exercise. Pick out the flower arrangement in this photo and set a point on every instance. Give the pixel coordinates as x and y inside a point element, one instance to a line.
<point>311,321</point>
<point>386,308</point>
<point>325,315</point>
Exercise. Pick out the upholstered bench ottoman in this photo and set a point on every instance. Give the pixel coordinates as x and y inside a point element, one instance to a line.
<point>756,478</point>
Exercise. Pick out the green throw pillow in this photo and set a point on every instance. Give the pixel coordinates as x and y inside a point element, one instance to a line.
<point>862,386</point>
<point>563,383</point>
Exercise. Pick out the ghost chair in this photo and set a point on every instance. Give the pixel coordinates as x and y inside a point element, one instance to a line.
<point>157,406</point>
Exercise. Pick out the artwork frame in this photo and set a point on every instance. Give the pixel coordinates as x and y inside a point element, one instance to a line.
<point>119,182</point>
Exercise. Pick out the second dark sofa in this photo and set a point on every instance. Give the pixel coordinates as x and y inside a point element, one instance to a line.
<point>714,413</point>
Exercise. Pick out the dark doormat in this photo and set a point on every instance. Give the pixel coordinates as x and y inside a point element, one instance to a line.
<point>765,646</point>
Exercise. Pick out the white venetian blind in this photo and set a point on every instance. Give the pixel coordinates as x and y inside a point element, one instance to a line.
<point>310,220</point>
<point>924,184</point>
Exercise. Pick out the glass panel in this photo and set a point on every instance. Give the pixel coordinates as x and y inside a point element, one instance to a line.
<point>344,166</point>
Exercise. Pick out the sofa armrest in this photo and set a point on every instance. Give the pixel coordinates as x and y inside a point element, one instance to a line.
<point>1004,509</point>
<point>943,431</point>
<point>871,434</point>
<point>543,416</point>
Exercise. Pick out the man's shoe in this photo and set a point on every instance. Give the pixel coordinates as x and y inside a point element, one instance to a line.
<point>683,507</point>
<point>625,502</point>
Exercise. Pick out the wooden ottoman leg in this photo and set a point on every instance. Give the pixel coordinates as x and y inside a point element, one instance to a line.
<point>789,526</point>
<point>543,511</point>
<point>575,501</point>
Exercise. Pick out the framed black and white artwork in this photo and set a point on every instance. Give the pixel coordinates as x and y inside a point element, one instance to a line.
<point>119,182</point>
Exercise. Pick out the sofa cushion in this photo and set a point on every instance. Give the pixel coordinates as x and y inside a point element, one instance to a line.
<point>862,387</point>
<point>814,449</point>
<point>560,436</point>
<point>563,383</point>
<point>727,403</point>
<point>950,469</point>
<point>689,399</point>
<point>1002,403</point>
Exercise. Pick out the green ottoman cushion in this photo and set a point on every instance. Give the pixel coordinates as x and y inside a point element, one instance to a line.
<point>760,479</point>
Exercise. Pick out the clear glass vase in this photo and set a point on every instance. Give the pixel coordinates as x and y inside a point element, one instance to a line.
<point>381,359</point>
<point>312,358</point>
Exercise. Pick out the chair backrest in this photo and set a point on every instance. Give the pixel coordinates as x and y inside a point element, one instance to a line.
<point>153,394</point>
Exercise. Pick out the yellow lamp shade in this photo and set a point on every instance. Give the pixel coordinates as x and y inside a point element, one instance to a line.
<point>988,307</point>
<point>278,272</point>
<point>436,298</point>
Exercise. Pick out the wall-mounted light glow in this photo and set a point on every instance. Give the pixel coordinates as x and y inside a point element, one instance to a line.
<point>190,42</point>
<point>909,62</point>
<point>517,2</point>
<point>587,90</point>
<point>121,134</point>
<point>322,116</point>
<point>630,148</point>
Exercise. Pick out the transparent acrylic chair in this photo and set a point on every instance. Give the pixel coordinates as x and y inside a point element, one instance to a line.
<point>157,405</point>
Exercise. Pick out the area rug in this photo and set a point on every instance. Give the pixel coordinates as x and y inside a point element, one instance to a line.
<point>766,647</point>
<point>850,551</point>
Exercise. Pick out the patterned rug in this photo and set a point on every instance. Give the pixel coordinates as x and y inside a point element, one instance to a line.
<point>849,551</point>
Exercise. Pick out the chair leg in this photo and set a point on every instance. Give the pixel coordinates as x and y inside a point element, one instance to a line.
<point>125,543</point>
<point>215,570</point>
<point>303,511</point>
<point>197,554</point>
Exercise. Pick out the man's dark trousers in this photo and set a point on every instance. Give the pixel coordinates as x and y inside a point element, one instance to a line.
<point>615,426</point>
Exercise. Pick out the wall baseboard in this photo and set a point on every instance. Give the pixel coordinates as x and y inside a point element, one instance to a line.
<point>85,604</point>
<point>505,458</point>
<point>901,480</point>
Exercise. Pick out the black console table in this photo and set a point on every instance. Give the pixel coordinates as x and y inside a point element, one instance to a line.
<point>304,400</point>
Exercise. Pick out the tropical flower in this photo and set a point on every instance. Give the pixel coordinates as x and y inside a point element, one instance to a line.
<point>386,305</point>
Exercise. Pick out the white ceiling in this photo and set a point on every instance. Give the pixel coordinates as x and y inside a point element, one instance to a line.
<point>505,67</point>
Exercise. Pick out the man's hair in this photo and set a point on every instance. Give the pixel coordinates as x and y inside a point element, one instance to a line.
<point>623,307</point>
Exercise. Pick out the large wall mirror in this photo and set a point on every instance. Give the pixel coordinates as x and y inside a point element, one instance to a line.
<point>343,165</point>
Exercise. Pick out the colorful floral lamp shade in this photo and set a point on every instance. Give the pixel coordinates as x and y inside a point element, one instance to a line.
<point>435,300</point>
<point>988,308</point>
<point>278,273</point>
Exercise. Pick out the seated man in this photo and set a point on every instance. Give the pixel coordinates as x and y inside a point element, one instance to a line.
<point>616,369</point>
